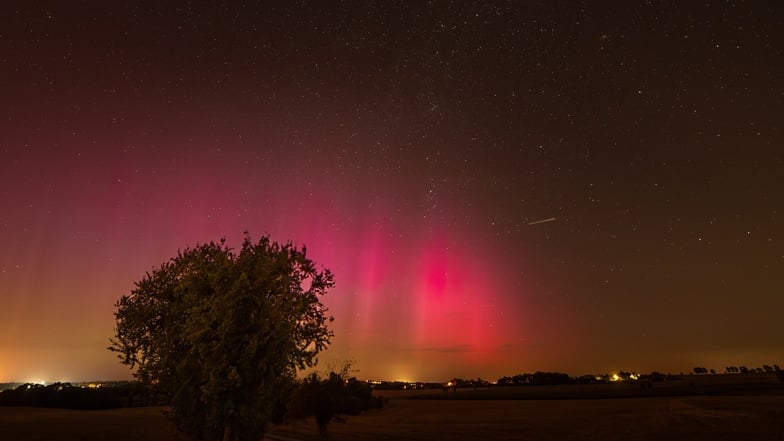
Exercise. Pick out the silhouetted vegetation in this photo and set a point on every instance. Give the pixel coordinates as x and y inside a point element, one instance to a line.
<point>68,396</point>
<point>557,378</point>
<point>220,334</point>
<point>331,397</point>
<point>657,376</point>
<point>539,378</point>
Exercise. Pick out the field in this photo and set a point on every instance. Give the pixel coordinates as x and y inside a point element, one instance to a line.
<point>694,418</point>
<point>39,424</point>
<point>695,409</point>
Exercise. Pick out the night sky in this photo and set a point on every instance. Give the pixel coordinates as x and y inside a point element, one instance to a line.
<point>498,187</point>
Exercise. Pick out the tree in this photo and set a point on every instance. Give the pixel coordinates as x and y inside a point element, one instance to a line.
<point>504,381</point>
<point>330,397</point>
<point>221,334</point>
<point>550,378</point>
<point>313,397</point>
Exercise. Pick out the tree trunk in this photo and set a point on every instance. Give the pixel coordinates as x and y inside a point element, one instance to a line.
<point>227,432</point>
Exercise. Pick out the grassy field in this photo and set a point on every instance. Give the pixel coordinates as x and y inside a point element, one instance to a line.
<point>39,424</point>
<point>721,408</point>
<point>656,418</point>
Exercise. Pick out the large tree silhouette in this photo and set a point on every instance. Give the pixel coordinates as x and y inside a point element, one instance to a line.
<point>220,333</point>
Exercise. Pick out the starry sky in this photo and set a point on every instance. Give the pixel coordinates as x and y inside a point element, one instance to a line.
<point>498,187</point>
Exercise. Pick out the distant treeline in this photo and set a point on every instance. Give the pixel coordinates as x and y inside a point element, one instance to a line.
<point>402,385</point>
<point>326,398</point>
<point>540,378</point>
<point>557,378</point>
<point>68,396</point>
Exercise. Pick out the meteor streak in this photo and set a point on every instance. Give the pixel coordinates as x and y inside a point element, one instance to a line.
<point>549,219</point>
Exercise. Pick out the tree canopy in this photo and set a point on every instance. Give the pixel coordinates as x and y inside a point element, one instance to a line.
<point>221,333</point>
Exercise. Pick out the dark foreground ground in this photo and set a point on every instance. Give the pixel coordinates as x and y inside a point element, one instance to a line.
<point>642,419</point>
<point>40,424</point>
<point>742,413</point>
